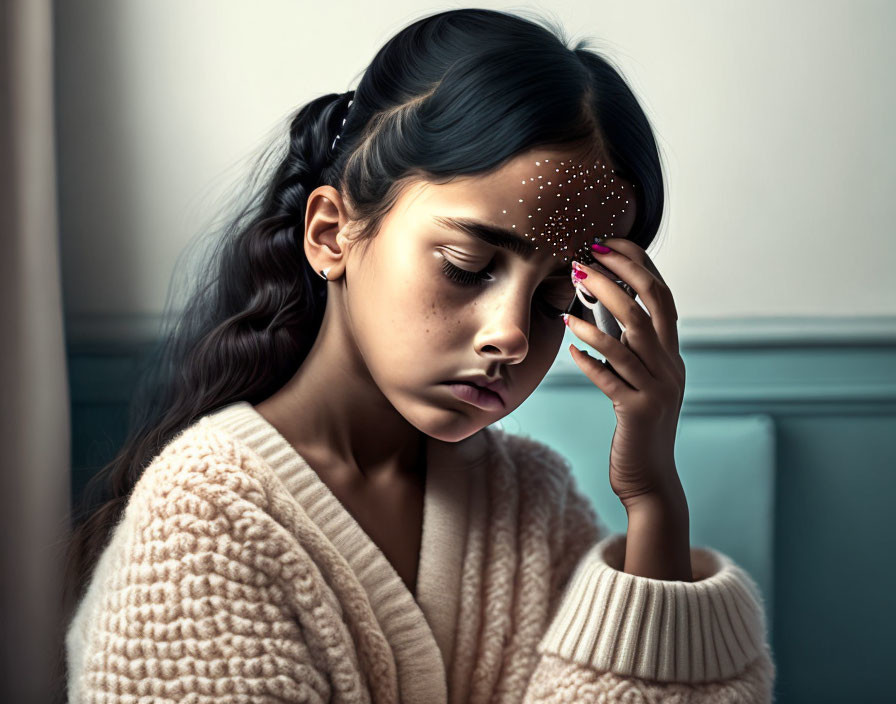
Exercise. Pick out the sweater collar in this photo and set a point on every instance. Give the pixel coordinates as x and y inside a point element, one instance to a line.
<point>421,627</point>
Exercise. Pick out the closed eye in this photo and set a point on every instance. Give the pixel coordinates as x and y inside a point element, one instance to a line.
<point>465,277</point>
<point>462,276</point>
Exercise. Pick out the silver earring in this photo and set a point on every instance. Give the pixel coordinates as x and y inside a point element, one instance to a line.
<point>323,273</point>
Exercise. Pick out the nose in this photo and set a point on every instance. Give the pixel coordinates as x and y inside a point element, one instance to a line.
<point>505,335</point>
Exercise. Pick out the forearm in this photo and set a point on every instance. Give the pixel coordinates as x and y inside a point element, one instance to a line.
<point>658,542</point>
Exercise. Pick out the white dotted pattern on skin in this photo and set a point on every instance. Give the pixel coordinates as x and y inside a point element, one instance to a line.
<point>559,225</point>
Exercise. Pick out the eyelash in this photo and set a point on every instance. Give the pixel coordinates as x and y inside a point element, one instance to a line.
<point>477,278</point>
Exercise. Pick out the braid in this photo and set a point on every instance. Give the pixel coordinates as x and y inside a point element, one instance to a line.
<point>351,95</point>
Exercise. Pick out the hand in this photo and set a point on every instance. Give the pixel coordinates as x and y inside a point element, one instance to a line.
<point>646,384</point>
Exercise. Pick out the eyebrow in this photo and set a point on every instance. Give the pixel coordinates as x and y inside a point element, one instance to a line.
<point>494,235</point>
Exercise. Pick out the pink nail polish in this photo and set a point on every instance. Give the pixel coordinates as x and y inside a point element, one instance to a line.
<point>580,274</point>
<point>600,249</point>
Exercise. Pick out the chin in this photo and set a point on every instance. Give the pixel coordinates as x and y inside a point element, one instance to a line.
<point>454,425</point>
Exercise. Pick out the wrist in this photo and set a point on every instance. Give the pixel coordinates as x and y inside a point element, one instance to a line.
<point>658,537</point>
<point>662,511</point>
<point>669,501</point>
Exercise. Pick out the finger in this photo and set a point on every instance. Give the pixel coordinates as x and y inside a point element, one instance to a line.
<point>626,363</point>
<point>632,251</point>
<point>639,272</point>
<point>608,381</point>
<point>642,335</point>
<point>668,334</point>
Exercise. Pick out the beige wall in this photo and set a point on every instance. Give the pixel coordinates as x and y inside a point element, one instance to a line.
<point>774,120</point>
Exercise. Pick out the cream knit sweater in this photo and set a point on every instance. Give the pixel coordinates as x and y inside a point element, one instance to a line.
<point>235,575</point>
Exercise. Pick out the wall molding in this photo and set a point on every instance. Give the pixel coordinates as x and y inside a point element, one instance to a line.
<point>783,365</point>
<point>801,331</point>
<point>796,365</point>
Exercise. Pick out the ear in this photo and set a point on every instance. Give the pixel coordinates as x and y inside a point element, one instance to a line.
<point>324,242</point>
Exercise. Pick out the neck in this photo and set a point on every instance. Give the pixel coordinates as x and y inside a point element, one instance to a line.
<point>336,417</point>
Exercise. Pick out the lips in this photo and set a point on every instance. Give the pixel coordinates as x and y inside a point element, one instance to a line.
<point>486,389</point>
<point>477,395</point>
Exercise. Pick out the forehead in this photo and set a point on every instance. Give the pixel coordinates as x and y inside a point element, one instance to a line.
<point>559,201</point>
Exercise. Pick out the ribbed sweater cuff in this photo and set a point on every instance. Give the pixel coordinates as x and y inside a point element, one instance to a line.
<point>672,631</point>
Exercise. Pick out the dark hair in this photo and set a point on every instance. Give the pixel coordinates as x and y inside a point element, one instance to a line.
<point>457,92</point>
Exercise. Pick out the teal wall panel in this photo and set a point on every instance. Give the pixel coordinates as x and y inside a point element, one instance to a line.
<point>836,557</point>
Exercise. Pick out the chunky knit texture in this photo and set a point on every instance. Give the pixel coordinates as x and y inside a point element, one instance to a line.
<point>235,575</point>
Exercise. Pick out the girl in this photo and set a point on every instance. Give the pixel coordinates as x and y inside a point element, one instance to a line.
<point>315,506</point>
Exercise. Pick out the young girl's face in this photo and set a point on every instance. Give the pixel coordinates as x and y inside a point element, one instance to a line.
<point>429,302</point>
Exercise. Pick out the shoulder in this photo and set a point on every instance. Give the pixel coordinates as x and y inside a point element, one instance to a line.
<point>551,504</point>
<point>203,564</point>
<point>546,478</point>
<point>207,492</point>
<point>205,462</point>
<point>208,503</point>
<point>537,466</point>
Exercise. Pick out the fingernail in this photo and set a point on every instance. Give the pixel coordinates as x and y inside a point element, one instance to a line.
<point>566,319</point>
<point>600,249</point>
<point>579,274</point>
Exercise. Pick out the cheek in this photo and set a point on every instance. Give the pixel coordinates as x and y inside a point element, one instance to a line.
<point>410,316</point>
<point>440,315</point>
